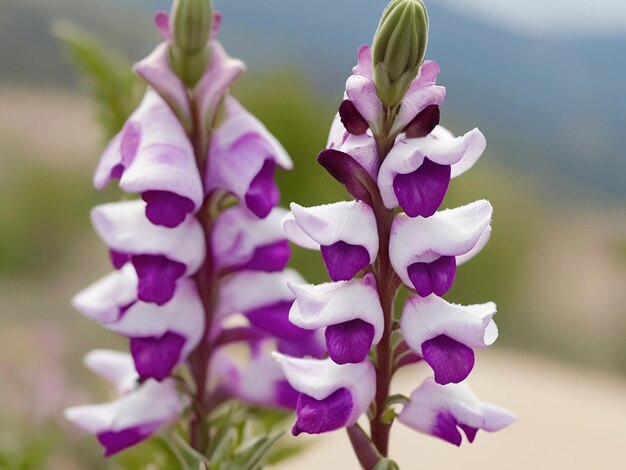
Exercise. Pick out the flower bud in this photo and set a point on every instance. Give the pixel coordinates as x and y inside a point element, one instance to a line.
<point>398,48</point>
<point>191,28</point>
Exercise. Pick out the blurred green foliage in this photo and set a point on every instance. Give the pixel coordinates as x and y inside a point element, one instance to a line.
<point>115,89</point>
<point>46,206</point>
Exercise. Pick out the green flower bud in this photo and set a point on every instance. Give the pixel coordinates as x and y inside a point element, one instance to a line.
<point>191,28</point>
<point>398,48</point>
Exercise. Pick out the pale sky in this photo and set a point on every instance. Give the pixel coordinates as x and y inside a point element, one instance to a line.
<point>548,18</point>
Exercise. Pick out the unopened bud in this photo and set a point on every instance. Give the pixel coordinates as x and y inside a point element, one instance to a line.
<point>191,28</point>
<point>398,48</point>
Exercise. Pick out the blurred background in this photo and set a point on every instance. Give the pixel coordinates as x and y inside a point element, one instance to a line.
<point>544,81</point>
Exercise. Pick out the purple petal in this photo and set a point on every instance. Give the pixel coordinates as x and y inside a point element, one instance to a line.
<point>270,258</point>
<point>421,192</point>
<point>116,441</point>
<point>117,171</point>
<point>157,277</point>
<point>451,361</point>
<point>263,195</point>
<point>166,208</point>
<point>469,431</point>
<point>349,172</point>
<point>118,259</point>
<point>349,342</point>
<point>275,320</point>
<point>316,417</point>
<point>424,123</point>
<point>351,118</point>
<point>436,277</point>
<point>155,358</point>
<point>343,260</point>
<point>286,395</point>
<point>445,428</point>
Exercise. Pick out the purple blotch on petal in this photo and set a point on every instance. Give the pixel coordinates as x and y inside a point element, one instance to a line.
<point>351,118</point>
<point>263,195</point>
<point>166,208</point>
<point>270,258</point>
<point>155,358</point>
<point>424,123</point>
<point>318,416</point>
<point>349,342</point>
<point>421,192</point>
<point>131,136</point>
<point>157,277</point>
<point>436,277</point>
<point>275,320</point>
<point>307,345</point>
<point>286,395</point>
<point>445,428</point>
<point>343,260</point>
<point>116,441</point>
<point>469,432</point>
<point>450,360</point>
<point>117,171</point>
<point>118,259</point>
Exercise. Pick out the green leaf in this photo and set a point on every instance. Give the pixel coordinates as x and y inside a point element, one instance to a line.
<point>253,453</point>
<point>113,86</point>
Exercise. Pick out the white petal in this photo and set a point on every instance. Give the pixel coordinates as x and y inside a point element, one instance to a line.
<point>296,235</point>
<point>480,244</point>
<point>352,222</point>
<point>116,367</point>
<point>318,306</point>
<point>425,318</point>
<point>452,232</point>
<point>320,378</point>
<point>124,227</point>
<point>152,402</point>
<point>102,301</point>
<point>184,315</point>
<point>248,290</point>
<point>236,234</point>
<point>110,158</point>
<point>430,398</point>
<point>164,160</point>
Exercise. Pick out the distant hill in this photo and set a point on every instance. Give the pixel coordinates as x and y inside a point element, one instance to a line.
<point>554,107</point>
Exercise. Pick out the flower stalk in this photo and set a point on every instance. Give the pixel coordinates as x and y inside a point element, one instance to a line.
<point>387,148</point>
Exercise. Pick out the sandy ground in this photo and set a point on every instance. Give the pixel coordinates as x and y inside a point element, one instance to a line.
<point>568,418</point>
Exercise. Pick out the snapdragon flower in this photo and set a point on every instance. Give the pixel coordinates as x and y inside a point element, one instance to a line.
<point>140,411</point>
<point>387,148</point>
<point>199,245</point>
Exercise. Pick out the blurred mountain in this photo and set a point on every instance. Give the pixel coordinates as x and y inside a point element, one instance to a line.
<point>551,107</point>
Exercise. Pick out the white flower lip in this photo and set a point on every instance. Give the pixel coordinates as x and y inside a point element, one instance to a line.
<point>452,232</point>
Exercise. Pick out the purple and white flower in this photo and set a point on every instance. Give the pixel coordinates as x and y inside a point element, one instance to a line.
<point>331,229</point>
<point>140,412</point>
<point>241,241</point>
<point>425,252</point>
<point>153,156</point>
<point>445,334</point>
<point>243,158</point>
<point>160,255</point>
<point>332,396</point>
<point>441,411</point>
<point>417,172</point>
<point>266,302</point>
<point>349,311</point>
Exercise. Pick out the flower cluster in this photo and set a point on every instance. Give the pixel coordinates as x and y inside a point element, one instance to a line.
<point>397,161</point>
<point>199,256</point>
